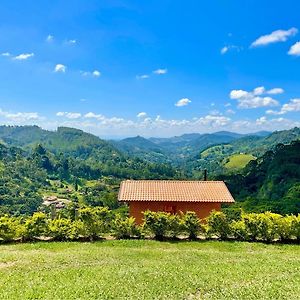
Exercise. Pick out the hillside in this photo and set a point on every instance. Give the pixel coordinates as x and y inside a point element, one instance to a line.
<point>70,164</point>
<point>272,182</point>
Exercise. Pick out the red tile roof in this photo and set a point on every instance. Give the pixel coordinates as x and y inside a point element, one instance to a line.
<point>174,190</point>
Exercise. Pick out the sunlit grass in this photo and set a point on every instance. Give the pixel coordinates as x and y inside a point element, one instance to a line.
<point>149,270</point>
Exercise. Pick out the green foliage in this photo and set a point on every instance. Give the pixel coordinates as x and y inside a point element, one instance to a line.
<point>125,228</point>
<point>239,231</point>
<point>192,225</point>
<point>36,226</point>
<point>10,228</point>
<point>64,229</point>
<point>96,221</point>
<point>295,227</point>
<point>157,223</point>
<point>218,225</point>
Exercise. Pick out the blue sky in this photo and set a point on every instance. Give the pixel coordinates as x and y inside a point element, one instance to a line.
<point>154,68</point>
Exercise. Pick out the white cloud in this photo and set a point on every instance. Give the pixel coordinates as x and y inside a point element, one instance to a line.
<point>23,56</point>
<point>160,71</point>
<point>50,38</point>
<point>142,115</point>
<point>230,111</point>
<point>7,54</point>
<point>292,106</point>
<point>224,50</point>
<point>295,49</point>
<point>275,91</point>
<point>69,115</point>
<point>259,91</point>
<point>96,73</point>
<point>145,76</point>
<point>72,42</point>
<point>227,48</point>
<point>60,68</point>
<point>92,115</point>
<point>274,37</point>
<point>253,99</point>
<point>183,102</point>
<point>20,116</point>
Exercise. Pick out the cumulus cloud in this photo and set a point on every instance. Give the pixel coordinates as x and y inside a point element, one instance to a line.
<point>96,73</point>
<point>292,106</point>
<point>183,102</point>
<point>23,56</point>
<point>160,71</point>
<point>91,115</point>
<point>274,37</point>
<point>275,91</point>
<point>224,50</point>
<point>20,116</point>
<point>60,68</point>
<point>255,98</point>
<point>295,49</point>
<point>142,115</point>
<point>69,115</point>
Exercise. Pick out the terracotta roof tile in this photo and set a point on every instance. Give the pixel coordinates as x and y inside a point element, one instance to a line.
<point>174,190</point>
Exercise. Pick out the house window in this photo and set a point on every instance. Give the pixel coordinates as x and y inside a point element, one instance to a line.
<point>170,209</point>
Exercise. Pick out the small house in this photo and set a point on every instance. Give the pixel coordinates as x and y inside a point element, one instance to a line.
<point>173,196</point>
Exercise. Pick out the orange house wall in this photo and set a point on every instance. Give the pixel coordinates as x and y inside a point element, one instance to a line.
<point>202,209</point>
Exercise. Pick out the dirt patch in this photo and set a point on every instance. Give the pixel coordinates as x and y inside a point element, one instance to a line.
<point>4,265</point>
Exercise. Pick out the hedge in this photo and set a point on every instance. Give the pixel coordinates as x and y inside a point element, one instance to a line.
<point>99,222</point>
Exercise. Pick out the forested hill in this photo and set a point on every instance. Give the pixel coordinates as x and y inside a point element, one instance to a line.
<point>272,182</point>
<point>66,140</point>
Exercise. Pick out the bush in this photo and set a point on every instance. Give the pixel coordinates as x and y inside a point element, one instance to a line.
<point>267,227</point>
<point>218,225</point>
<point>176,225</point>
<point>36,226</point>
<point>65,229</point>
<point>295,227</point>
<point>10,228</point>
<point>125,228</point>
<point>239,231</point>
<point>284,227</point>
<point>96,221</point>
<point>191,224</point>
<point>252,225</point>
<point>157,223</point>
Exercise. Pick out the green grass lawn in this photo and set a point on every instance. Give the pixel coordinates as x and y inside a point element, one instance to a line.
<point>238,161</point>
<point>149,270</point>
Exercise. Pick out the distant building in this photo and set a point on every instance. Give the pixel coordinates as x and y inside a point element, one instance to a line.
<point>54,200</point>
<point>173,196</point>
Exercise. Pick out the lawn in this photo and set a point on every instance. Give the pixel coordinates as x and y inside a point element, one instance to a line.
<point>149,270</point>
<point>238,161</point>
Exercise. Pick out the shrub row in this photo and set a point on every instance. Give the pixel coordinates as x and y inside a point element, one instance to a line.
<point>95,223</point>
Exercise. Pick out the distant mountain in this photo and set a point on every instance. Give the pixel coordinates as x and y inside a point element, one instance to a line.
<point>142,148</point>
<point>175,149</point>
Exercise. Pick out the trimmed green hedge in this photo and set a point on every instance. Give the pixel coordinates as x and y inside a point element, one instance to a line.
<point>94,223</point>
